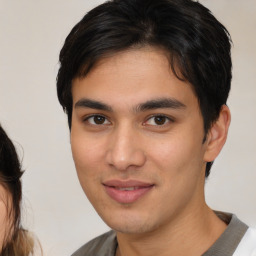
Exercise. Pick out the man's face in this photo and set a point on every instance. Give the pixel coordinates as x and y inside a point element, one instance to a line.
<point>136,139</point>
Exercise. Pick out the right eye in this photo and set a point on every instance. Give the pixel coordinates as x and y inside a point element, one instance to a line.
<point>97,120</point>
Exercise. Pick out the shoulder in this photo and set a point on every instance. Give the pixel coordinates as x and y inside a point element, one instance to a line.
<point>103,245</point>
<point>247,246</point>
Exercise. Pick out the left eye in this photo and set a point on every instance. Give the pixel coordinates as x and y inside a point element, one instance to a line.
<point>97,120</point>
<point>158,120</point>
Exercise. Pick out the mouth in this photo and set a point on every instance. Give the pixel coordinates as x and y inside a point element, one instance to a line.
<point>126,192</point>
<point>127,189</point>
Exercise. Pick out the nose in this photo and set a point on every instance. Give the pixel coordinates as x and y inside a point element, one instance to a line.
<point>125,149</point>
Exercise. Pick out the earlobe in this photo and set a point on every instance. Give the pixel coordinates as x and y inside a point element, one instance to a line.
<point>217,135</point>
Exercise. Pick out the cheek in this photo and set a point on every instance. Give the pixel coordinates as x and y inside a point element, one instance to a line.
<point>88,157</point>
<point>86,151</point>
<point>2,213</point>
<point>5,221</point>
<point>178,155</point>
<point>180,166</point>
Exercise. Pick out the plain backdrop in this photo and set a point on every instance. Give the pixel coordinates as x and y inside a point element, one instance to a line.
<point>54,207</point>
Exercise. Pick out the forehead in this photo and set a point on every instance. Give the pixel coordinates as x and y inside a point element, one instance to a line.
<point>132,75</point>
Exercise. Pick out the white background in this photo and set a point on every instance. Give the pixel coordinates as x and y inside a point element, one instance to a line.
<point>55,208</point>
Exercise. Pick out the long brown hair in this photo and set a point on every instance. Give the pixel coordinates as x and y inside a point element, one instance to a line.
<point>17,241</point>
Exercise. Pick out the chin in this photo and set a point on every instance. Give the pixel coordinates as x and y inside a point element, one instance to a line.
<point>130,229</point>
<point>131,225</point>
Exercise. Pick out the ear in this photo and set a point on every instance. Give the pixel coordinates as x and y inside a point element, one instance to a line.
<point>217,135</point>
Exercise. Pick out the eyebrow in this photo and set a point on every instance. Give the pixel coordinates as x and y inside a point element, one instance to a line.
<point>94,104</point>
<point>148,105</point>
<point>160,103</point>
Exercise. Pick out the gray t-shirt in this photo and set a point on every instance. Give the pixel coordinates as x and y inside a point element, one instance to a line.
<point>106,244</point>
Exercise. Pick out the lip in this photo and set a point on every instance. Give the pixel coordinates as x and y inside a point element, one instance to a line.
<point>126,192</point>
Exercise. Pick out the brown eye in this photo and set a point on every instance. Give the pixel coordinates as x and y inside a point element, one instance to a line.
<point>97,120</point>
<point>158,120</point>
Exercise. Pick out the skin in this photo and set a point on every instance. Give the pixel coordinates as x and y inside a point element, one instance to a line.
<point>3,214</point>
<point>162,146</point>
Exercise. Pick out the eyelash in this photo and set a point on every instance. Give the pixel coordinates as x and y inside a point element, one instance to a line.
<point>86,119</point>
<point>166,120</point>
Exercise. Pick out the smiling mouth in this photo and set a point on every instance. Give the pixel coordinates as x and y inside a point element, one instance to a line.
<point>126,192</point>
<point>127,189</point>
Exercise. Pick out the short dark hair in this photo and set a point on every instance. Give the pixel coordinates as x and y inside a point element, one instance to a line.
<point>196,43</point>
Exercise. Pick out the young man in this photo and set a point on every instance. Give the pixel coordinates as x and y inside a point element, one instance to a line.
<point>145,84</point>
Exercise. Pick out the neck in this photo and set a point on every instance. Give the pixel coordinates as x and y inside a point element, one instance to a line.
<point>190,234</point>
